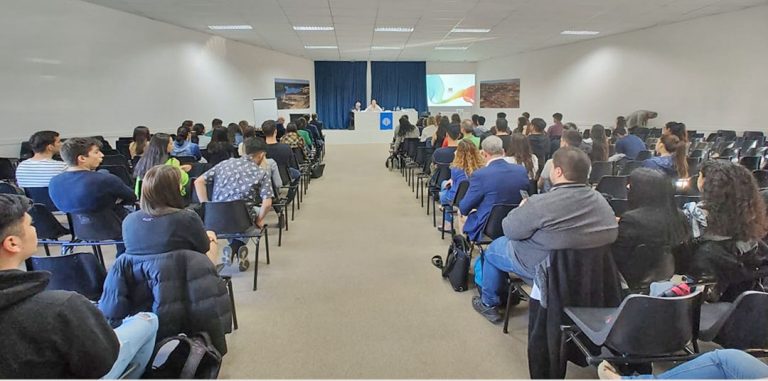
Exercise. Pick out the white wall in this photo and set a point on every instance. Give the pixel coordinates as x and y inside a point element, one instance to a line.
<point>709,73</point>
<point>79,68</point>
<point>452,68</point>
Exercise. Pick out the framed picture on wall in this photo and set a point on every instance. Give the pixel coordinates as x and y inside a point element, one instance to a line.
<point>292,93</point>
<point>502,93</point>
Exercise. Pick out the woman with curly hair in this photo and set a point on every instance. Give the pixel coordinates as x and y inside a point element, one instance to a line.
<point>466,160</point>
<point>519,152</point>
<point>728,226</point>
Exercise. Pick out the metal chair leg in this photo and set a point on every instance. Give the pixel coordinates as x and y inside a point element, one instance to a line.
<point>282,218</point>
<point>509,306</point>
<point>256,266</point>
<point>265,234</point>
<point>228,281</point>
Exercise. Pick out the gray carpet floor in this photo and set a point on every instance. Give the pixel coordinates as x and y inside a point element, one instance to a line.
<point>352,292</point>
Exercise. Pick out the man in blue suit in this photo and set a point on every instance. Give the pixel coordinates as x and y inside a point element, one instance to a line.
<point>498,183</point>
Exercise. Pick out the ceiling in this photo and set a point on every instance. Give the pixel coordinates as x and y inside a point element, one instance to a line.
<point>516,25</point>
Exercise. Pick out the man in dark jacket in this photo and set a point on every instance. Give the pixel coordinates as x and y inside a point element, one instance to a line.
<point>56,334</point>
<point>539,141</point>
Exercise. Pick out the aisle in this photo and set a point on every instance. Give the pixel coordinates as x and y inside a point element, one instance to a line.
<point>352,292</point>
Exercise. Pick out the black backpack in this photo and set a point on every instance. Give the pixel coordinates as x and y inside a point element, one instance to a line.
<point>456,266</point>
<point>194,357</point>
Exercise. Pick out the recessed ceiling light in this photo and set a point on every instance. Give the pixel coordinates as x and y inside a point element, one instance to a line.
<point>229,27</point>
<point>470,30</point>
<point>579,32</point>
<point>320,47</point>
<point>313,28</point>
<point>385,48</point>
<point>451,47</point>
<point>394,29</point>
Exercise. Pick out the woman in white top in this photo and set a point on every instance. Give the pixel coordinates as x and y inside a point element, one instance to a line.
<point>519,152</point>
<point>373,106</point>
<point>430,130</point>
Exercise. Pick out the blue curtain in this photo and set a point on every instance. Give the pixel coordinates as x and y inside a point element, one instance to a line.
<point>402,84</point>
<point>338,84</point>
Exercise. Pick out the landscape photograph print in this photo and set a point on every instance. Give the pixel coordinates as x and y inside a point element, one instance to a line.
<point>502,93</point>
<point>292,93</point>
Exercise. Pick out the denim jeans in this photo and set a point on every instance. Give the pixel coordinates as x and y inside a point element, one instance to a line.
<point>445,199</point>
<point>137,337</point>
<point>718,364</point>
<point>498,261</point>
<point>293,173</point>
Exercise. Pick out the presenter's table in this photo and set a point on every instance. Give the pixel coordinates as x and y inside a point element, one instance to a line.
<point>371,120</point>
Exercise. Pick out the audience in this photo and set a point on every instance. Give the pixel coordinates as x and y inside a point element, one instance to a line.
<point>652,219</point>
<point>497,183</point>
<point>570,138</point>
<point>37,171</point>
<point>158,153</point>
<point>198,135</point>
<point>442,129</point>
<point>219,148</point>
<point>293,140</point>
<point>241,179</point>
<point>428,134</point>
<point>728,224</point>
<point>248,132</point>
<point>628,145</point>
<point>281,153</point>
<point>141,138</point>
<point>599,144</point>
<point>519,152</point>
<point>677,129</point>
<point>301,125</point>
<point>522,123</point>
<point>539,141</point>
<point>556,130</point>
<point>162,224</point>
<point>571,216</point>
<point>481,124</point>
<point>215,123</point>
<point>404,130</point>
<point>466,160</point>
<point>455,118</point>
<point>234,135</point>
<point>183,145</point>
<point>58,334</point>
<point>468,133</point>
<point>672,159</point>
<point>503,132</point>
<point>445,155</point>
<point>280,127</point>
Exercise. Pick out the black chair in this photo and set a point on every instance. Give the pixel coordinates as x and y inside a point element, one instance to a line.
<point>25,152</point>
<point>122,145</point>
<point>8,168</point>
<point>97,229</point>
<point>642,330</point>
<point>742,324</point>
<point>727,135</point>
<point>644,155</point>
<point>644,265</point>
<point>115,160</point>
<point>40,195</point>
<point>753,134</point>
<point>751,162</point>
<point>231,220</point>
<point>121,172</point>
<point>697,154</point>
<point>49,230</point>
<point>630,166</point>
<point>694,164</point>
<point>492,228</point>
<point>762,178</point>
<point>441,173</point>
<point>78,272</point>
<point>280,204</point>
<point>616,186</point>
<point>681,200</point>
<point>654,132</point>
<point>186,159</point>
<point>619,206</point>
<point>452,208</point>
<point>600,169</point>
<point>8,188</point>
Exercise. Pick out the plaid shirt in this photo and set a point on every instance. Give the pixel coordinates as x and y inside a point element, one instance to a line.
<point>293,140</point>
<point>239,179</point>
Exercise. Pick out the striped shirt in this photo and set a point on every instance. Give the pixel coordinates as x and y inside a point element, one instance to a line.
<point>38,173</point>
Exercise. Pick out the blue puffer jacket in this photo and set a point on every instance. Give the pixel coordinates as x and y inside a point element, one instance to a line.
<point>181,287</point>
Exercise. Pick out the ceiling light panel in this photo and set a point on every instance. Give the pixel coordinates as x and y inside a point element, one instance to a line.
<point>230,27</point>
<point>470,30</point>
<point>579,32</point>
<point>313,28</point>
<point>394,29</point>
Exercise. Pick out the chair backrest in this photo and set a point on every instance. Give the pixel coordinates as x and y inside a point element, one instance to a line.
<point>40,195</point>
<point>751,162</point>
<point>78,272</point>
<point>615,186</point>
<point>102,225</point>
<point>600,169</point>
<point>630,166</point>
<point>118,160</point>
<point>25,152</point>
<point>746,324</point>
<point>493,227</point>
<point>648,325</point>
<point>122,145</point>
<point>728,135</point>
<point>299,153</point>
<point>47,226</point>
<point>227,217</point>
<point>120,171</point>
<point>8,168</point>
<point>461,191</point>
<point>186,159</point>
<point>645,264</point>
<point>762,178</point>
<point>644,155</point>
<point>619,206</point>
<point>694,164</point>
<point>411,147</point>
<point>753,134</point>
<point>442,173</point>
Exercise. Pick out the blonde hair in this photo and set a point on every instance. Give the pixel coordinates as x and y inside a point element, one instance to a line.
<point>467,157</point>
<point>431,121</point>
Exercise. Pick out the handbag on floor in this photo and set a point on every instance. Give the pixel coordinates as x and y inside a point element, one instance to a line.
<point>194,357</point>
<point>456,265</point>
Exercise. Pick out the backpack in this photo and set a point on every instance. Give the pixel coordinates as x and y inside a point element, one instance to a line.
<point>456,266</point>
<point>194,357</point>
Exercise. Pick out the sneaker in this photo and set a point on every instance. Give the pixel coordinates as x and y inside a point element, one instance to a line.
<point>489,313</point>
<point>242,255</point>
<point>226,256</point>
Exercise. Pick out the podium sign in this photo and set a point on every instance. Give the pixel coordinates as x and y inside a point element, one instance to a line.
<point>386,122</point>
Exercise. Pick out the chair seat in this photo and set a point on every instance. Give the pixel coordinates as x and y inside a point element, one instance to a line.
<point>252,232</point>
<point>711,313</point>
<point>484,240</point>
<point>595,323</point>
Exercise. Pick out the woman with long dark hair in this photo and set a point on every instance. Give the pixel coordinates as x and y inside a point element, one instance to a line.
<point>442,129</point>
<point>140,140</point>
<point>522,123</point>
<point>672,159</point>
<point>219,148</point>
<point>729,223</point>
<point>519,152</point>
<point>652,219</point>
<point>677,129</point>
<point>599,144</point>
<point>158,153</point>
<point>404,130</point>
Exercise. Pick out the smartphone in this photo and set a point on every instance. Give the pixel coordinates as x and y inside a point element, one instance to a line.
<point>524,194</point>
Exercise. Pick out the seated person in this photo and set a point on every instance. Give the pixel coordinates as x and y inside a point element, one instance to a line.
<point>569,138</point>
<point>672,157</point>
<point>81,189</point>
<point>519,152</point>
<point>468,132</point>
<point>140,140</point>
<point>466,161</point>
<point>446,154</point>
<point>720,364</point>
<point>653,217</point>
<point>404,130</point>
<point>183,145</point>
<point>280,126</point>
<point>158,153</point>
<point>497,183</point>
<point>162,224</point>
<point>628,145</point>
<point>571,216</point>
<point>293,140</point>
<point>241,179</point>
<point>729,224</point>
<point>281,153</point>
<point>37,171</point>
<point>539,142</point>
<point>219,148</point>
<point>301,124</point>
<point>58,334</point>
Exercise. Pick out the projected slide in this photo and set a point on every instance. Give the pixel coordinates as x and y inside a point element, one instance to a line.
<point>450,90</point>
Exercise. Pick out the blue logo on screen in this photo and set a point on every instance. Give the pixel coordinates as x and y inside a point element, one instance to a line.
<point>385,121</point>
